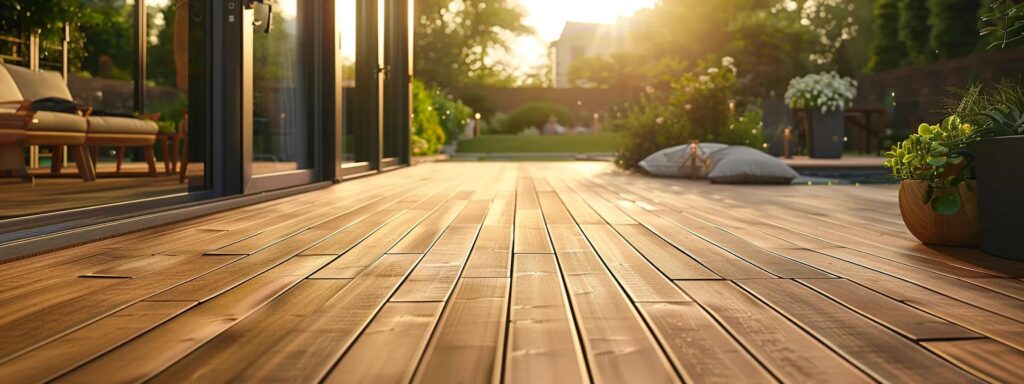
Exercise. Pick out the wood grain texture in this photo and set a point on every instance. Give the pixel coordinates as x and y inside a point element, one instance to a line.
<point>906,320</point>
<point>76,348</point>
<point>986,358</point>
<point>642,281</point>
<point>618,347</point>
<point>699,348</point>
<point>405,328</point>
<point>468,345</point>
<point>229,356</point>
<point>621,278</point>
<point>158,349</point>
<point>883,355</point>
<point>788,352</point>
<point>543,343</point>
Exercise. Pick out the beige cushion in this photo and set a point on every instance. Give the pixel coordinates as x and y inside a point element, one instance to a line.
<point>675,161</point>
<point>60,122</point>
<point>745,165</point>
<point>37,85</point>
<point>8,88</point>
<point>121,125</point>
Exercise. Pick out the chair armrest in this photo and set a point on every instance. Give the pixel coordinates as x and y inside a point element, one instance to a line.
<point>154,117</point>
<point>23,105</point>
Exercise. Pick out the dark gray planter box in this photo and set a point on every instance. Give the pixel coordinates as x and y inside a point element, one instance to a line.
<point>826,136</point>
<point>1000,173</point>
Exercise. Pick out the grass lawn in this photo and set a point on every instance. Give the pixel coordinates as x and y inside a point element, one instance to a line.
<point>600,142</point>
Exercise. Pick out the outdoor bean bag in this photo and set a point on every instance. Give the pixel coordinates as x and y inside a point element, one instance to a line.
<point>675,161</point>
<point>745,165</point>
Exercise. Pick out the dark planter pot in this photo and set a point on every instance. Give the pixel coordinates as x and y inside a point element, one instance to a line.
<point>1000,172</point>
<point>826,136</point>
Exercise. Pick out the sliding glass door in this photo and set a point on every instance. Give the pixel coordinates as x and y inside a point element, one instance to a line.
<point>279,118</point>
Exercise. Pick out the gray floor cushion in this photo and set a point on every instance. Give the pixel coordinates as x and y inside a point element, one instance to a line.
<point>675,161</point>
<point>745,165</point>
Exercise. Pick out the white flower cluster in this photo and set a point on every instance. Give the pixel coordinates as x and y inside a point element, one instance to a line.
<point>826,90</point>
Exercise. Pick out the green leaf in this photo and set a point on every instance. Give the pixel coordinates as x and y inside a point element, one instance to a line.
<point>947,204</point>
<point>956,160</point>
<point>937,161</point>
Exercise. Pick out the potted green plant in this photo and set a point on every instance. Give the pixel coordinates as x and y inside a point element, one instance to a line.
<point>999,115</point>
<point>937,191</point>
<point>825,96</point>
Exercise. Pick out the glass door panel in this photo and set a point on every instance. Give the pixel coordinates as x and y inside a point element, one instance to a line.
<point>282,110</point>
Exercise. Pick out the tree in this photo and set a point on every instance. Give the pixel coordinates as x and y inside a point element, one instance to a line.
<point>915,33</point>
<point>954,27</point>
<point>457,40</point>
<point>772,49</point>
<point>888,51</point>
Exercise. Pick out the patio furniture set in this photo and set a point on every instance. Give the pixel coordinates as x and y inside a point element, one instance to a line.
<point>36,109</point>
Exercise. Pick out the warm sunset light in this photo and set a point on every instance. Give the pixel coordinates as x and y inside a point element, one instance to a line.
<point>513,191</point>
<point>548,18</point>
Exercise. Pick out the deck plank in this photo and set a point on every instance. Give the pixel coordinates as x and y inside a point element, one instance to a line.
<point>158,349</point>
<point>642,281</point>
<point>885,356</point>
<point>229,355</point>
<point>543,343</point>
<point>405,328</point>
<point>904,319</point>
<point>794,356</point>
<point>986,358</point>
<point>618,346</point>
<point>76,348</point>
<point>701,350</point>
<point>313,345</point>
<point>467,346</point>
<point>521,272</point>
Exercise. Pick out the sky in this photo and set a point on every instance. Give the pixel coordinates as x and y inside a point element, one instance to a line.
<point>548,17</point>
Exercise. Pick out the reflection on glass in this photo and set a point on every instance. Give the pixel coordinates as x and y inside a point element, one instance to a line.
<point>281,94</point>
<point>352,135</point>
<point>88,142</point>
<point>167,88</point>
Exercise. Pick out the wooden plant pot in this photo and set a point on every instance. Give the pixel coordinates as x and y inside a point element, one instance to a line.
<point>957,230</point>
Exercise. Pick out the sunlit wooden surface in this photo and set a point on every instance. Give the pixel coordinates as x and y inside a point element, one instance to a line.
<point>521,272</point>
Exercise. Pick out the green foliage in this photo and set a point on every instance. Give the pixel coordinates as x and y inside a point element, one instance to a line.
<point>773,49</point>
<point>454,40</point>
<point>701,106</point>
<point>954,33</point>
<point>590,143</point>
<point>427,134</point>
<point>937,154</point>
<point>453,115</point>
<point>535,115</point>
<point>624,70</point>
<point>887,51</point>
<point>997,111</point>
<point>915,33</point>
<point>1002,23</point>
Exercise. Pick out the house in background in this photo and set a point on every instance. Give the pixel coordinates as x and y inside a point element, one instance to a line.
<point>580,40</point>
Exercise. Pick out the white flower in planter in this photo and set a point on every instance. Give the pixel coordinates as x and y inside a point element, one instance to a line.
<point>826,90</point>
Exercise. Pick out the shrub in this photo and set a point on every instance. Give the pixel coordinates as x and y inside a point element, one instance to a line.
<point>915,33</point>
<point>534,115</point>
<point>887,51</point>
<point>452,114</point>
<point>701,106</point>
<point>954,30</point>
<point>427,134</point>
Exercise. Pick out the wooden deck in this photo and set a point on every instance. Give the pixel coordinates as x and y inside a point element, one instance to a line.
<point>526,273</point>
